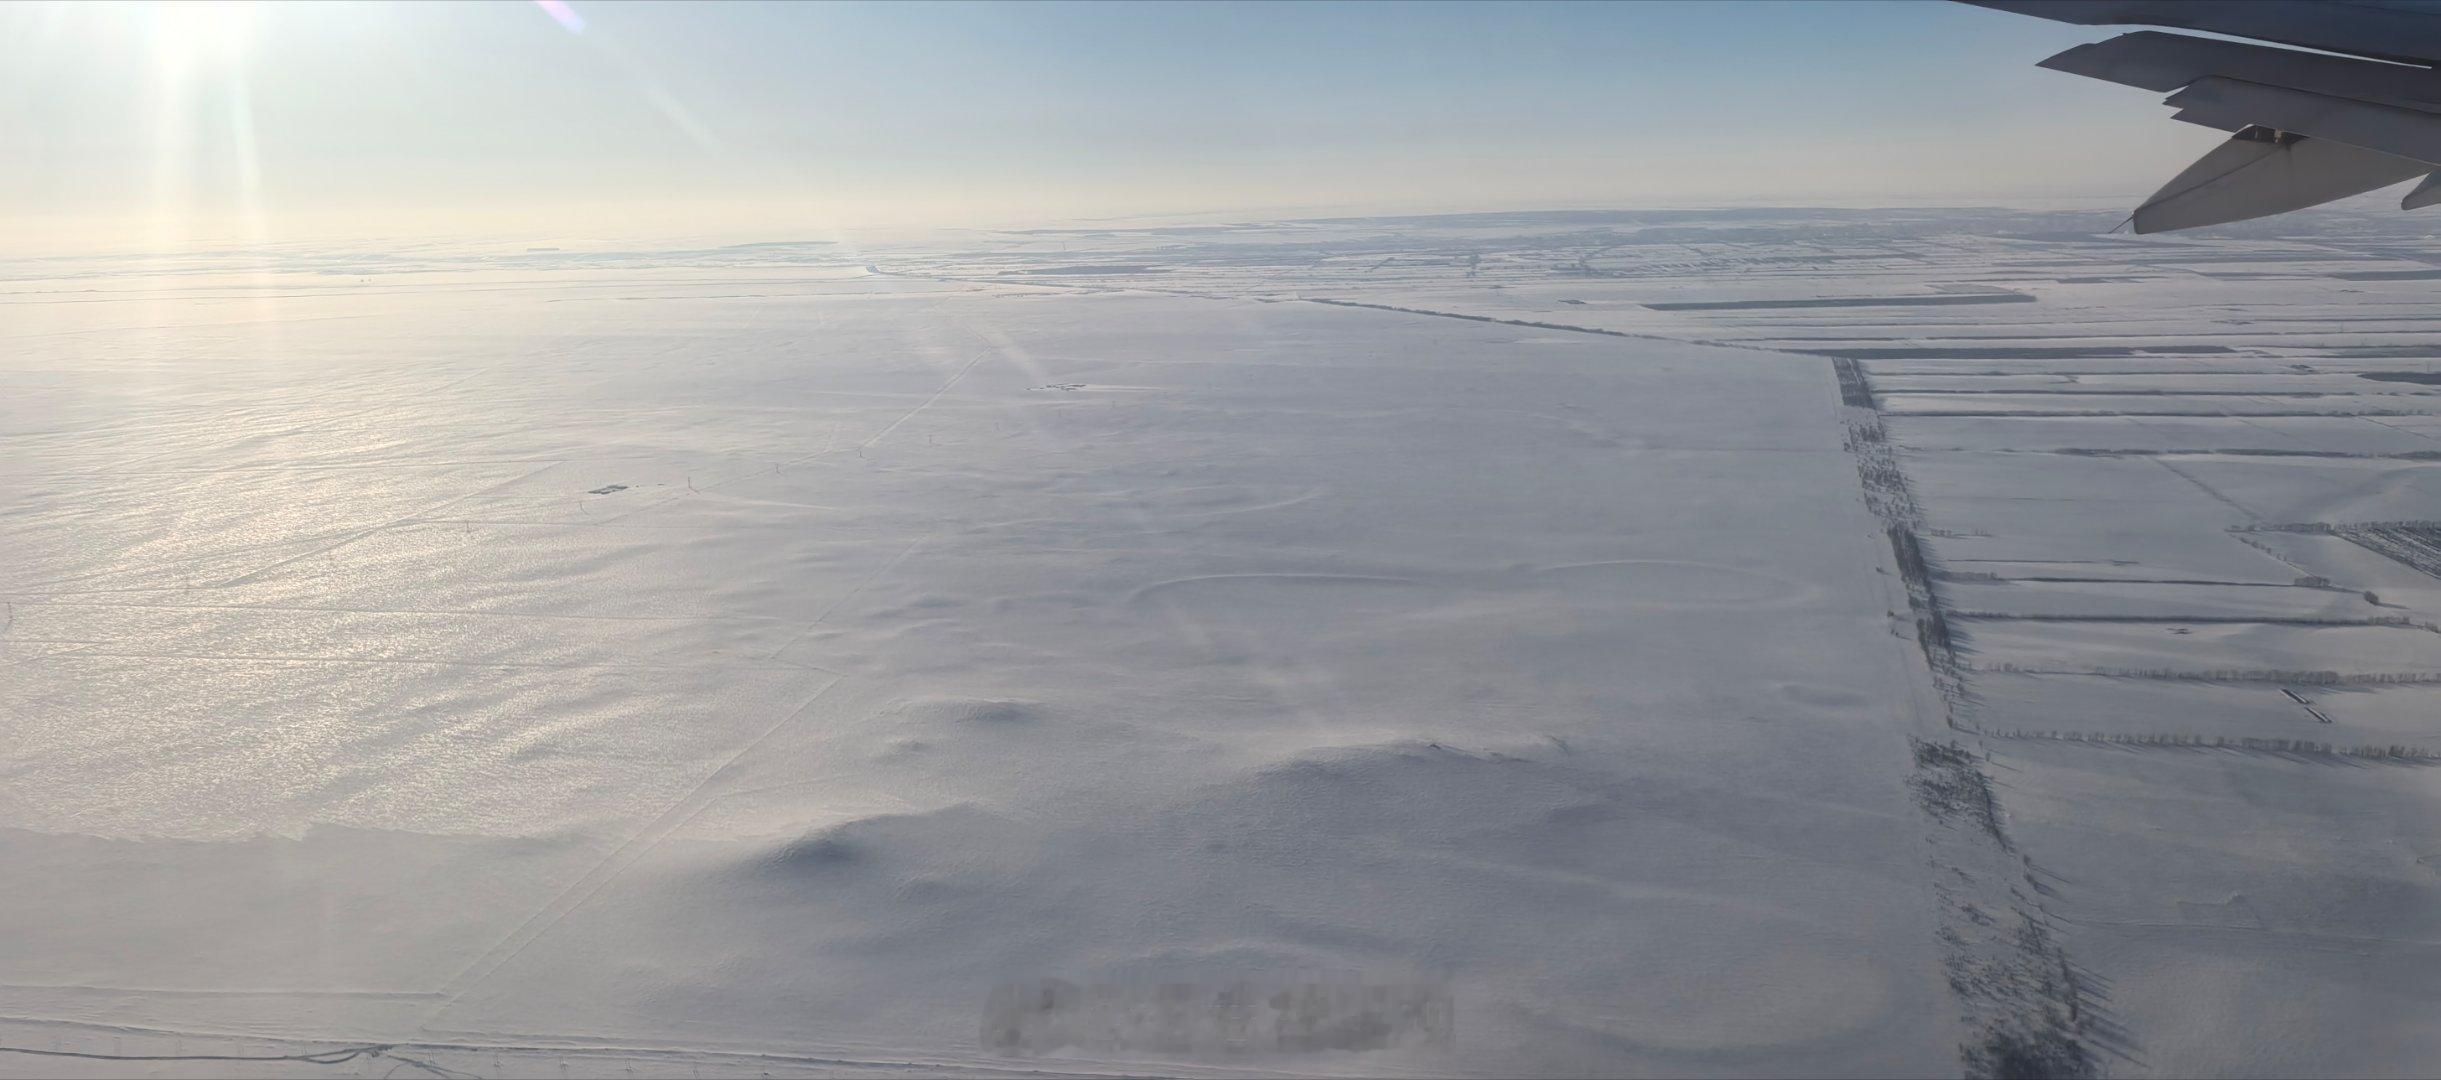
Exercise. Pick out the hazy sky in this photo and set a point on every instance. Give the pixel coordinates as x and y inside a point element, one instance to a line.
<point>275,120</point>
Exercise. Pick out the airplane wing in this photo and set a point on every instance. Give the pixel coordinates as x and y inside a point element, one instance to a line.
<point>2362,113</point>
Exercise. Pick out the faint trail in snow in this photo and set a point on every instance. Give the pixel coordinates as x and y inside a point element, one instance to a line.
<point>243,658</point>
<point>1709,343</point>
<point>333,1056</point>
<point>52,587</point>
<point>573,1047</point>
<point>252,608</point>
<point>377,466</point>
<point>828,442</point>
<point>1509,322</point>
<point>214,992</point>
<point>1142,592</point>
<point>2208,489</point>
<point>851,594</point>
<point>183,326</point>
<point>2394,427</point>
<point>927,403</point>
<point>317,423</point>
<point>1201,295</point>
<point>616,862</point>
<point>360,534</point>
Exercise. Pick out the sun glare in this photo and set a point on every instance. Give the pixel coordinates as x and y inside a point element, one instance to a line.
<point>192,34</point>
<point>207,170</point>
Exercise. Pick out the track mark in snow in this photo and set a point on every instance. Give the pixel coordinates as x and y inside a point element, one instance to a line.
<point>2207,489</point>
<point>575,895</point>
<point>1531,324</point>
<point>1676,583</point>
<point>851,594</point>
<point>257,573</point>
<point>979,358</point>
<point>334,1056</point>
<point>1148,591</point>
<point>554,1047</point>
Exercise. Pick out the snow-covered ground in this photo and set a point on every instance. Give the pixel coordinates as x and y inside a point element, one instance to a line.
<point>1759,642</point>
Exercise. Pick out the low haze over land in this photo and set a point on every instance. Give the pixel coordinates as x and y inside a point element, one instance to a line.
<point>179,124</point>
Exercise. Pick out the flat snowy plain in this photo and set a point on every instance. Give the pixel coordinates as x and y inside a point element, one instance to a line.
<point>1728,643</point>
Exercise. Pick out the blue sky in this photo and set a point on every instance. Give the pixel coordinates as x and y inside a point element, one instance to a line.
<point>696,117</point>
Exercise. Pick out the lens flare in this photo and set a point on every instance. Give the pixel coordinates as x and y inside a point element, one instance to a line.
<point>561,13</point>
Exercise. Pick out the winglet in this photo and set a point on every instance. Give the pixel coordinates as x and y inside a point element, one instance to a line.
<point>2260,172</point>
<point>2425,194</point>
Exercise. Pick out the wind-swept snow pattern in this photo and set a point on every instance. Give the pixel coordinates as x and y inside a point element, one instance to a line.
<point>1689,643</point>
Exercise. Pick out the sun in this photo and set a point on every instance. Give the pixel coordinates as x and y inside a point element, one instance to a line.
<point>195,35</point>
<point>206,165</point>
